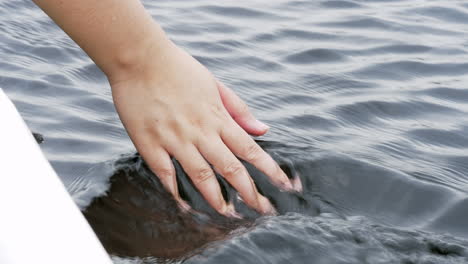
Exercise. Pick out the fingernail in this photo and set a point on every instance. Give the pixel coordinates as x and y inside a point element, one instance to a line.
<point>221,205</point>
<point>224,209</point>
<point>183,205</point>
<point>231,212</point>
<point>265,206</point>
<point>297,184</point>
<point>285,183</point>
<point>261,126</point>
<point>253,192</point>
<point>287,186</point>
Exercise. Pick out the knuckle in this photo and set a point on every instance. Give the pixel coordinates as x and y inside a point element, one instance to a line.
<point>165,173</point>
<point>174,124</point>
<point>197,123</point>
<point>232,169</point>
<point>218,112</point>
<point>203,174</point>
<point>252,152</point>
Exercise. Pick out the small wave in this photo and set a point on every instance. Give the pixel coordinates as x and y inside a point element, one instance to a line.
<point>313,56</point>
<point>328,239</point>
<point>407,70</point>
<point>341,4</point>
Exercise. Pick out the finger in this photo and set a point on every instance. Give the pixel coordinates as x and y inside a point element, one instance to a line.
<point>160,163</point>
<point>240,112</point>
<point>243,146</point>
<point>202,177</point>
<point>226,164</point>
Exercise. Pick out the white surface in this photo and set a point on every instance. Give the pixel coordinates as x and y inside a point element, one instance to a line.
<point>39,223</point>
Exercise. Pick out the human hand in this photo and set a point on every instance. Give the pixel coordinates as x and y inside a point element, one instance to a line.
<point>173,106</point>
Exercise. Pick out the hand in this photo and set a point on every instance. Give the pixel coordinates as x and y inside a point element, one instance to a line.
<point>173,106</point>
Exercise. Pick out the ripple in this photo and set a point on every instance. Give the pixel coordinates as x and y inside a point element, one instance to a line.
<point>330,240</point>
<point>57,54</point>
<point>310,122</point>
<point>442,13</point>
<point>401,48</point>
<point>369,110</point>
<point>440,137</point>
<point>406,70</point>
<point>340,4</point>
<point>303,34</point>
<point>367,23</point>
<point>209,47</point>
<point>455,95</point>
<point>256,62</point>
<point>239,12</point>
<point>314,56</point>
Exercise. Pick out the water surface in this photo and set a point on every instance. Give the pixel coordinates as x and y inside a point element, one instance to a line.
<point>367,103</point>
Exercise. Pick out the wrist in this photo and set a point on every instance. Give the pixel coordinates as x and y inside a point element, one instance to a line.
<point>131,59</point>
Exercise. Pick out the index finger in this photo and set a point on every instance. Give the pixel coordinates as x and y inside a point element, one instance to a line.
<point>244,147</point>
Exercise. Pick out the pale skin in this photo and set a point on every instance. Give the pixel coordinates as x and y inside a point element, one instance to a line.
<point>170,104</point>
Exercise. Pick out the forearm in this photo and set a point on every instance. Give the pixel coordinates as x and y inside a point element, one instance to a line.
<point>117,34</point>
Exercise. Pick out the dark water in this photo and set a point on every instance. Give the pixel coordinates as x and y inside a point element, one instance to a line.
<point>368,105</point>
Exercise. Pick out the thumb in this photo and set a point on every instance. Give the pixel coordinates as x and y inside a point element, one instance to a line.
<point>240,112</point>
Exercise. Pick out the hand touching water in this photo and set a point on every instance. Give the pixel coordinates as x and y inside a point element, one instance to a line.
<point>174,107</point>
<point>169,103</point>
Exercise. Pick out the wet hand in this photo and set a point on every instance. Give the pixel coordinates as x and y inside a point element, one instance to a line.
<point>173,106</point>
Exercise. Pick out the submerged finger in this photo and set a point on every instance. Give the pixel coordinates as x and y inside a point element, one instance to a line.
<point>226,164</point>
<point>160,163</point>
<point>244,147</point>
<point>202,177</point>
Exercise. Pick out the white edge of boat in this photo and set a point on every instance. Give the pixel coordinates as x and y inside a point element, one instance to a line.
<point>39,222</point>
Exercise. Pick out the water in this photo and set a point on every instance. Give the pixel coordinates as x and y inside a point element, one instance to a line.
<point>367,101</point>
